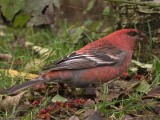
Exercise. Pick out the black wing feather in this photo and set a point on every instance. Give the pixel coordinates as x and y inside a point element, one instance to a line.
<point>105,55</point>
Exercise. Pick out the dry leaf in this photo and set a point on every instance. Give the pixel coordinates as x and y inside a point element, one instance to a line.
<point>142,65</point>
<point>155,92</point>
<point>11,101</point>
<point>40,50</point>
<point>14,73</point>
<point>34,65</point>
<point>89,103</point>
<point>93,115</point>
<point>117,88</point>
<point>5,57</point>
<point>73,118</point>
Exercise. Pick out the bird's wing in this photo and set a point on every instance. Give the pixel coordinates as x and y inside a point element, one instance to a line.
<point>91,59</point>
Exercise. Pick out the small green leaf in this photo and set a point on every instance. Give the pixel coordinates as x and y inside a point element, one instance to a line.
<point>90,5</point>
<point>157,66</point>
<point>143,87</point>
<point>21,19</point>
<point>10,7</point>
<point>59,98</point>
<point>106,11</point>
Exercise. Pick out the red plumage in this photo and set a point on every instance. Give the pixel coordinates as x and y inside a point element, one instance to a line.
<point>95,63</point>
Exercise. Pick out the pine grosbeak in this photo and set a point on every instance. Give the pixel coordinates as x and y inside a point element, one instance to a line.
<point>95,63</point>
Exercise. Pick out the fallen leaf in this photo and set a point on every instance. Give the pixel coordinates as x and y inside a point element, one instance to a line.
<point>40,50</point>
<point>34,65</point>
<point>156,109</point>
<point>93,115</point>
<point>35,102</point>
<point>89,103</point>
<point>73,118</point>
<point>155,92</point>
<point>58,98</point>
<point>149,66</point>
<point>22,109</point>
<point>42,12</point>
<point>44,114</point>
<point>5,57</point>
<point>79,101</point>
<point>128,117</point>
<point>14,73</point>
<point>10,102</point>
<point>143,87</point>
<point>117,88</point>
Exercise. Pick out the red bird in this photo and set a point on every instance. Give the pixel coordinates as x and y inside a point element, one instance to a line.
<point>95,63</point>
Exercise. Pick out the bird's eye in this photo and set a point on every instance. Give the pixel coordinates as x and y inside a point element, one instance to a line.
<point>132,33</point>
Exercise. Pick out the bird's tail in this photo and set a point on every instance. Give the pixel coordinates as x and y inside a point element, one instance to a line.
<point>23,86</point>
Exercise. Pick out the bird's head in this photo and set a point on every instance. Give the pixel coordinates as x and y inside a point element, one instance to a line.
<point>127,38</point>
<point>136,35</point>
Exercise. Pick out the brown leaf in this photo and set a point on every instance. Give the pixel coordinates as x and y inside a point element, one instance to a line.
<point>157,109</point>
<point>11,101</point>
<point>22,109</point>
<point>117,88</point>
<point>73,118</point>
<point>44,114</point>
<point>128,117</point>
<point>93,115</point>
<point>89,103</point>
<point>5,57</point>
<point>155,92</point>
